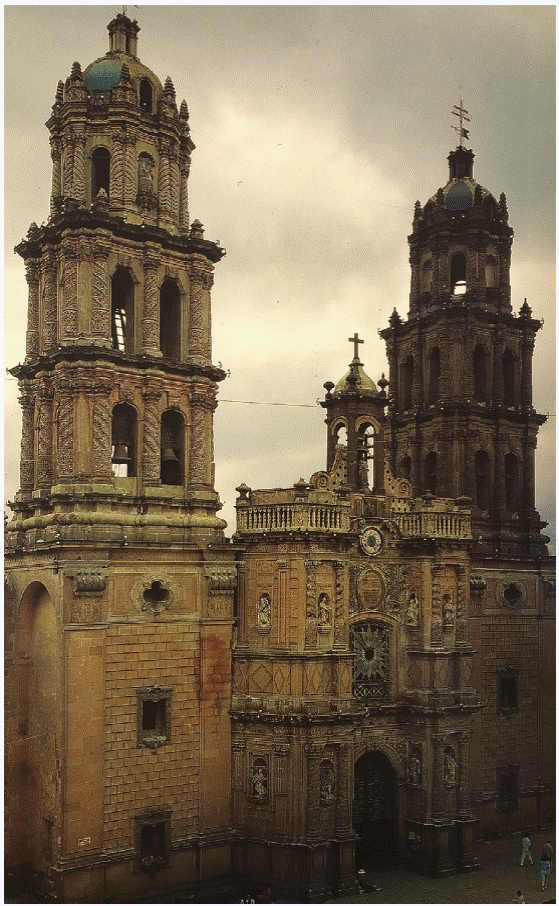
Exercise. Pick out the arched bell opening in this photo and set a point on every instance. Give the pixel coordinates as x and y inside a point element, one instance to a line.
<point>170,320</point>
<point>375,812</point>
<point>124,441</point>
<point>509,378</point>
<point>122,310</point>
<point>404,467</point>
<point>100,172</point>
<point>431,473</point>
<point>458,285</point>
<point>146,95</point>
<point>172,447</point>
<point>490,272</point>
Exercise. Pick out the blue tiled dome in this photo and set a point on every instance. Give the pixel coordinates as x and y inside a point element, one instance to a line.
<point>459,197</point>
<point>103,74</point>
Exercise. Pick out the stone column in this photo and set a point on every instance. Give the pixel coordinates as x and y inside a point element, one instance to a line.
<point>65,432</point>
<point>529,477</point>
<point>469,466</point>
<point>527,351</point>
<point>117,165</point>
<point>311,616</point>
<point>343,797</point>
<point>174,184</point>
<point>436,607</point>
<point>183,209</point>
<point>462,592</point>
<point>201,410</point>
<point>130,169</point>
<point>100,297</point>
<point>499,483</point>
<point>70,295</point>
<point>201,279</point>
<point>78,176</point>
<point>151,453</point>
<point>498,381</point>
<point>340,635</point>
<point>464,788</point>
<point>164,177</point>
<point>68,161</point>
<point>27,461</point>
<point>418,377</point>
<point>314,754</point>
<point>150,314</point>
<point>32,335</point>
<point>50,302</point>
<point>438,790</point>
<point>56,184</point>
<point>102,431</point>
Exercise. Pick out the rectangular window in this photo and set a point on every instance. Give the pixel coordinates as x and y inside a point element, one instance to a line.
<point>153,841</point>
<point>507,788</point>
<point>507,691</point>
<point>154,716</point>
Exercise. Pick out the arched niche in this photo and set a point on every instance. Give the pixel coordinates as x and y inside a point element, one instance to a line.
<point>430,472</point>
<point>490,271</point>
<point>509,378</point>
<point>512,487</point>
<point>146,95</point>
<point>458,278</point>
<point>433,376</point>
<point>482,466</point>
<point>480,374</point>
<point>407,382</point>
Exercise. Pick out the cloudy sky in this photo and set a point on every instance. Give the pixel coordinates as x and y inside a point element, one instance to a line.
<point>316,129</point>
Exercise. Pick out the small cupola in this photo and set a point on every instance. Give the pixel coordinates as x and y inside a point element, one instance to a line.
<point>461,163</point>
<point>123,35</point>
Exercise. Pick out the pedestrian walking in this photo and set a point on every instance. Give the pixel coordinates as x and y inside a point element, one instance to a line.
<point>519,898</point>
<point>547,851</point>
<point>545,868</point>
<point>526,850</point>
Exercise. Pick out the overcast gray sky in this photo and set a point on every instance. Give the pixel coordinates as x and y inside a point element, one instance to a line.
<point>316,129</point>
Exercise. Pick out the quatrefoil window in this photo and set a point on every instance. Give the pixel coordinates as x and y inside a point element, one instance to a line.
<point>156,597</point>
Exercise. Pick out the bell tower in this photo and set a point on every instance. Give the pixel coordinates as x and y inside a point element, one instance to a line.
<point>116,555</point>
<point>461,418</point>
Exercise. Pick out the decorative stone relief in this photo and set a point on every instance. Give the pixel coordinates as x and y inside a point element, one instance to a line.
<point>448,612</point>
<point>84,611</point>
<point>222,584</point>
<point>311,623</point>
<point>412,611</point>
<point>415,766</point>
<point>89,582</point>
<point>511,593</point>
<point>324,613</point>
<point>450,767</point>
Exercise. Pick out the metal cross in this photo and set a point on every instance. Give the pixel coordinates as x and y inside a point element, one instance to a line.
<point>462,114</point>
<point>355,340</point>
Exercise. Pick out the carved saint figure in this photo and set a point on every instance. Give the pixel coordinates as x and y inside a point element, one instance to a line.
<point>326,783</point>
<point>448,611</point>
<point>450,767</point>
<point>415,768</point>
<point>264,616</point>
<point>260,783</point>
<point>412,612</point>
<point>323,610</point>
<point>145,174</point>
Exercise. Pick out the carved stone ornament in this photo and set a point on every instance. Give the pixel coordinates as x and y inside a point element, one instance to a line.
<point>327,783</point>
<point>264,613</point>
<point>412,611</point>
<point>414,767</point>
<point>259,780</point>
<point>89,582</point>
<point>155,594</point>
<point>450,767</point>
<point>86,611</point>
<point>511,593</point>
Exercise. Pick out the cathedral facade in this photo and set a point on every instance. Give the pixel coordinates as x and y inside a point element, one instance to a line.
<point>363,673</point>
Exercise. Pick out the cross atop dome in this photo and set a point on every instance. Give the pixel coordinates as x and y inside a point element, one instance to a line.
<point>356,341</point>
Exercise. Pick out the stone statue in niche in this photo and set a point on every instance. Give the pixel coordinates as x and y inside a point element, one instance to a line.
<point>450,766</point>
<point>448,612</point>
<point>145,174</point>
<point>415,768</point>
<point>327,782</point>
<point>264,616</point>
<point>323,610</point>
<point>260,781</point>
<point>412,611</point>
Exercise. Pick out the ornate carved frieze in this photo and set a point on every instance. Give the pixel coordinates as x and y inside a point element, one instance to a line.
<point>222,581</point>
<point>100,314</point>
<point>152,438</point>
<point>70,293</point>
<point>311,614</point>
<point>32,275</point>
<point>89,582</point>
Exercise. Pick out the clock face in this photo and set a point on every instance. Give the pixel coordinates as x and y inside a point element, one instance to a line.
<point>371,541</point>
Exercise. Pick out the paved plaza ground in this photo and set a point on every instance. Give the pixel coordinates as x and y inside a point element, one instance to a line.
<point>496,881</point>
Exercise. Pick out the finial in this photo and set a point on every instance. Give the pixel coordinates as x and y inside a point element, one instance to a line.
<point>184,114</point>
<point>76,74</point>
<point>59,96</point>
<point>525,311</point>
<point>462,114</point>
<point>383,384</point>
<point>417,211</point>
<point>196,230</point>
<point>394,319</point>
<point>169,89</point>
<point>503,206</point>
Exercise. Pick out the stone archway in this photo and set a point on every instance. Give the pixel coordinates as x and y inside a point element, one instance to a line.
<point>375,814</point>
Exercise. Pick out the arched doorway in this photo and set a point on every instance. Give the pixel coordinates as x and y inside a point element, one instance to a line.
<point>375,812</point>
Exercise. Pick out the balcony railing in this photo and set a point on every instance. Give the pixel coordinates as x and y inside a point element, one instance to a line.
<point>285,517</point>
<point>434,525</point>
